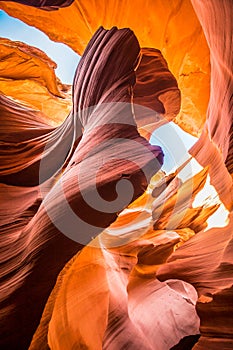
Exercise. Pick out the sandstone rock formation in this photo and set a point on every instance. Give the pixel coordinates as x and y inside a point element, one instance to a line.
<point>97,251</point>
<point>171,27</point>
<point>27,75</point>
<point>29,159</point>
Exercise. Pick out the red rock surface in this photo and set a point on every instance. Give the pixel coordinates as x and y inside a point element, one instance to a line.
<point>156,90</point>
<point>171,27</point>
<point>29,159</point>
<point>206,261</point>
<point>152,275</point>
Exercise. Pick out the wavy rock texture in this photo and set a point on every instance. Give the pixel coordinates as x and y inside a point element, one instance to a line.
<point>156,90</point>
<point>212,280</point>
<point>133,286</point>
<point>218,128</point>
<point>171,27</point>
<point>26,139</point>
<point>27,74</point>
<point>114,291</point>
<point>110,297</point>
<point>46,4</point>
<point>206,260</point>
<point>29,159</point>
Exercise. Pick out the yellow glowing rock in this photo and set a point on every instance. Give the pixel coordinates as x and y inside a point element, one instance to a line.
<point>27,75</point>
<point>171,27</point>
<point>87,309</point>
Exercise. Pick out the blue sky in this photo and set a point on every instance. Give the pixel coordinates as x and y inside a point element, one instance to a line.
<point>174,141</point>
<point>65,57</point>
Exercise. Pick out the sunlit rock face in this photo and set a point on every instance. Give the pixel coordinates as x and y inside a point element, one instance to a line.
<point>109,151</point>
<point>215,142</point>
<point>171,27</point>
<point>111,287</point>
<point>100,249</point>
<point>27,75</point>
<point>208,256</point>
